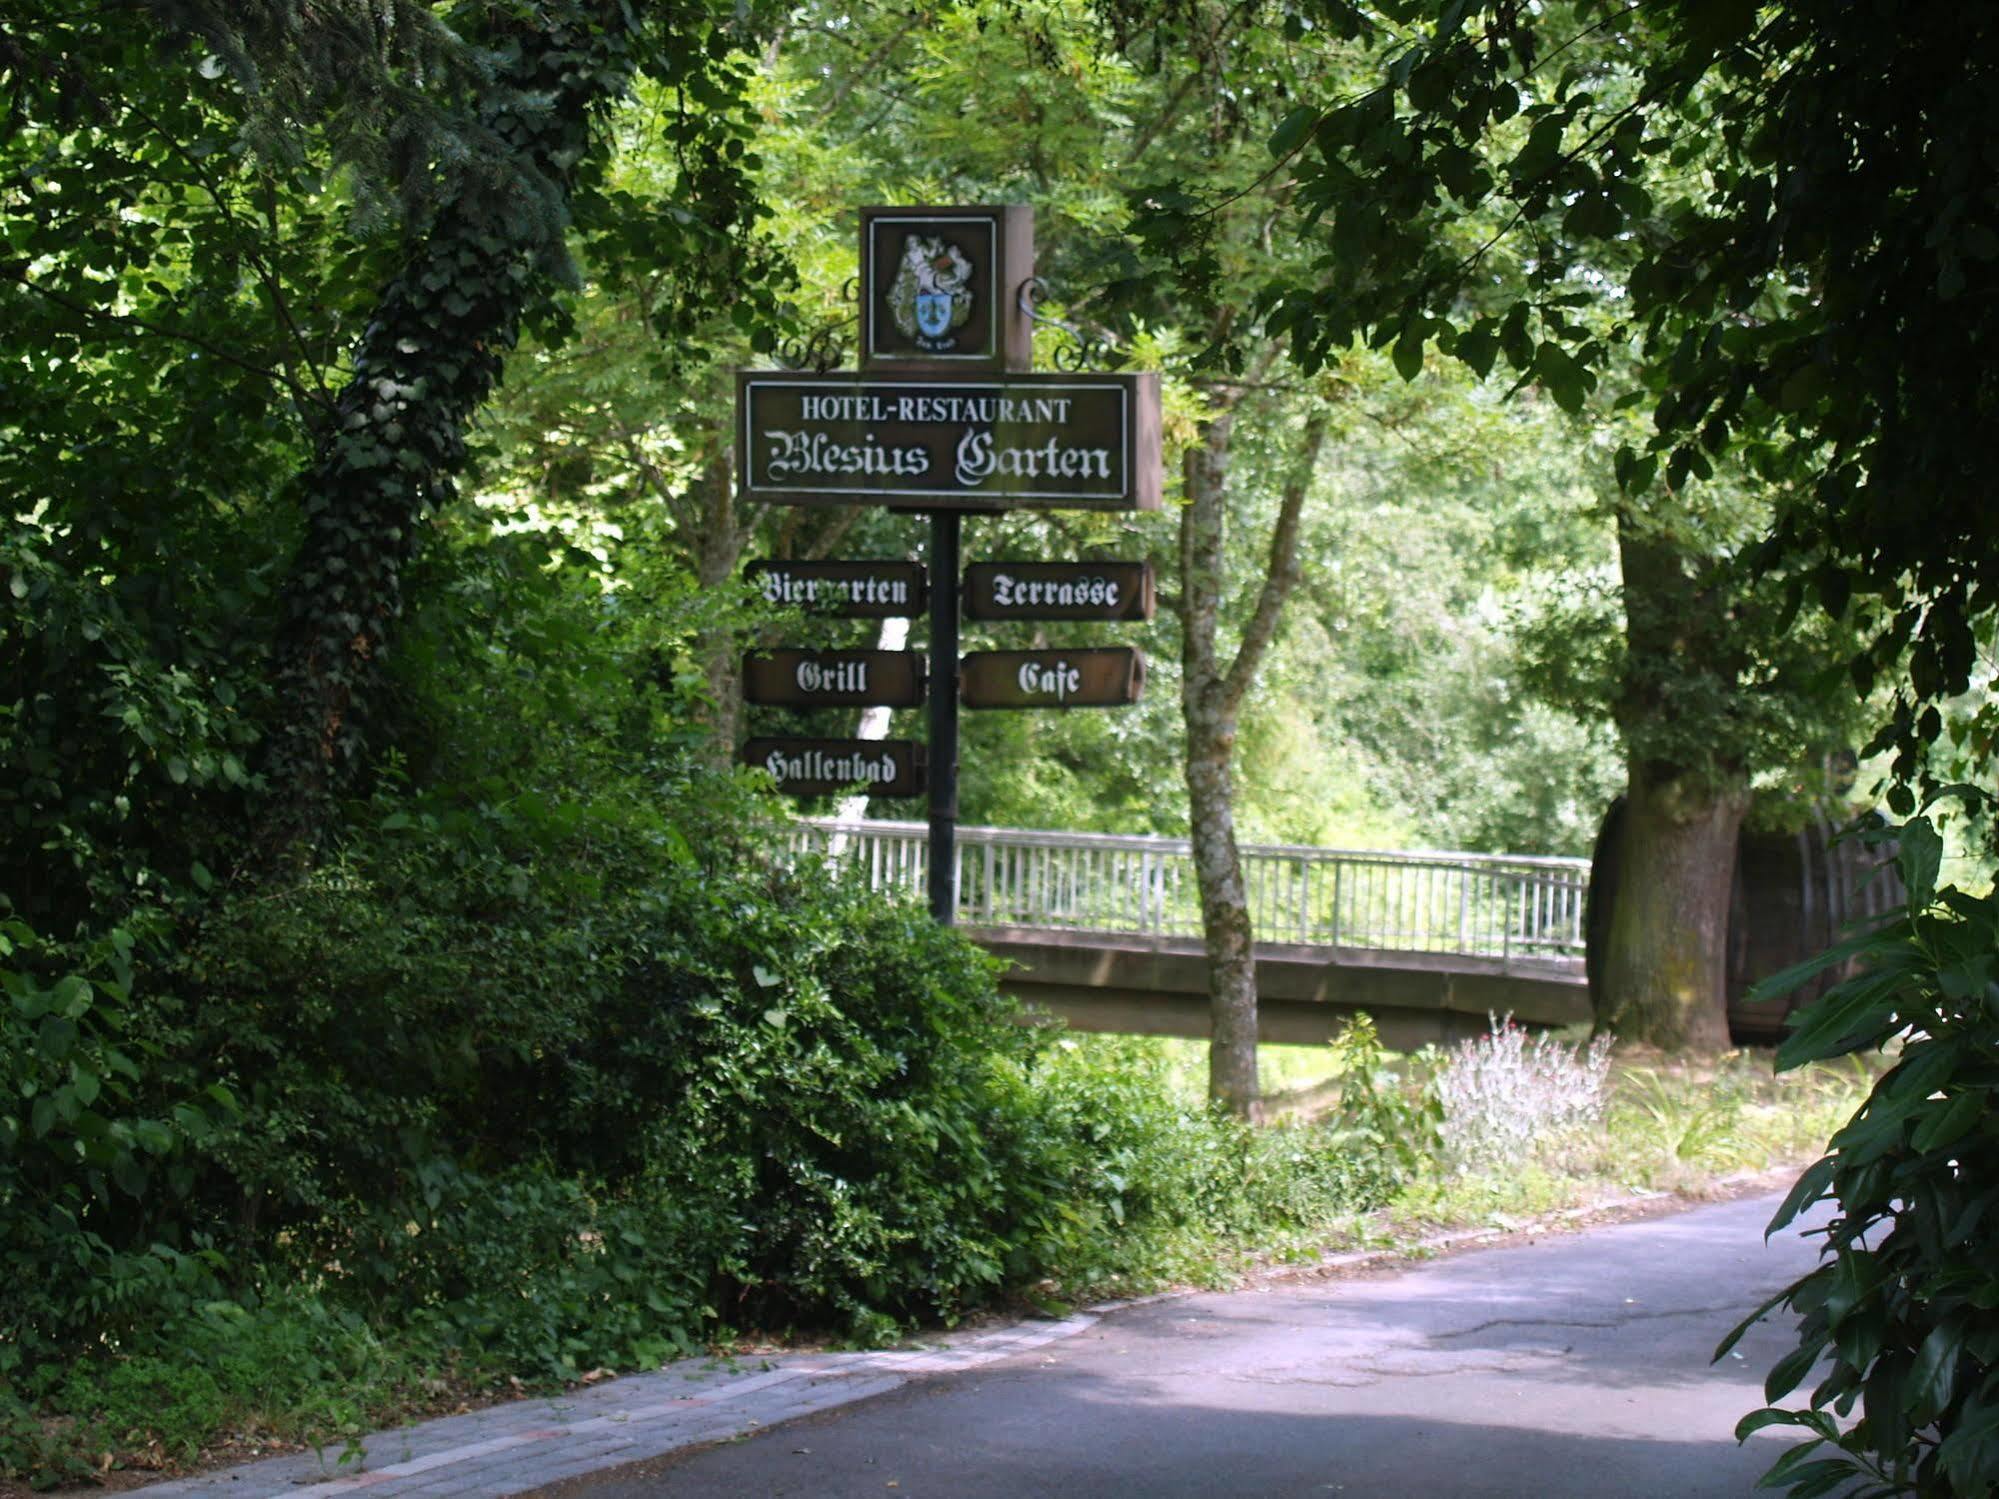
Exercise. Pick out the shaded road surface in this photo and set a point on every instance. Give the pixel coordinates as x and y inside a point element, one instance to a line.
<point>1573,1365</point>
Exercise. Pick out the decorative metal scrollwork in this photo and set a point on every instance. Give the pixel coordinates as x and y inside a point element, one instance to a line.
<point>824,349</point>
<point>1084,349</point>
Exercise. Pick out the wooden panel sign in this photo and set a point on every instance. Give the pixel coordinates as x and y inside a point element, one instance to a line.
<point>1059,590</point>
<point>950,442</point>
<point>834,679</point>
<point>940,286</point>
<point>849,590</point>
<point>826,767</point>
<point>1099,677</point>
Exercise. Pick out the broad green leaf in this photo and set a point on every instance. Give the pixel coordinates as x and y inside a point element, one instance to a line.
<point>1952,1120</point>
<point>1921,858</point>
<point>1791,1369</point>
<point>1970,1454</point>
<point>1408,353</point>
<point>1784,1468</point>
<point>1934,1373</point>
<point>1292,130</point>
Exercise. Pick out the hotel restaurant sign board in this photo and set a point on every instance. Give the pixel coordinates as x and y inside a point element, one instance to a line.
<point>950,442</point>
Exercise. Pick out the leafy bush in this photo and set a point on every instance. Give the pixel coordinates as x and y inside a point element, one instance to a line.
<point>1503,1094</point>
<point>1905,1304</point>
<point>92,1161</point>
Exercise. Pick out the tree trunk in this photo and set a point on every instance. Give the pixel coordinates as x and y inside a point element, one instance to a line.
<point>1211,732</point>
<point>1211,696</point>
<point>1665,979</point>
<point>1225,924</point>
<point>718,552</point>
<point>1666,968</point>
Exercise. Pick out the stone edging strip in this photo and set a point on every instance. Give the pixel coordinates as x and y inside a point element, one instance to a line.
<point>526,1444</point>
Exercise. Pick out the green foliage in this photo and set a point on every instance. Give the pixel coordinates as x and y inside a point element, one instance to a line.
<point>1120,1182</point>
<point>1775,204</point>
<point>96,1159</point>
<point>1389,1113</point>
<point>1905,1305</point>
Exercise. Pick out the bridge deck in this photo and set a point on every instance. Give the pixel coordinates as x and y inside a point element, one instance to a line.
<point>1105,928</point>
<point>1158,985</point>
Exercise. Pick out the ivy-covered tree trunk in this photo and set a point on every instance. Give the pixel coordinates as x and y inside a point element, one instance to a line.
<point>1211,699</point>
<point>1665,979</point>
<point>429,356</point>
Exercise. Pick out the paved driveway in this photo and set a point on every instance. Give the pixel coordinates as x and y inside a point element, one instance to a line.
<point>1572,1365</point>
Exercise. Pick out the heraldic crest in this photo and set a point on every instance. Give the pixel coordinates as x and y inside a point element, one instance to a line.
<point>931,296</point>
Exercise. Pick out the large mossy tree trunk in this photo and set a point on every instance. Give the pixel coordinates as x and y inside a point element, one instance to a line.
<point>1666,962</point>
<point>432,350</point>
<point>1211,695</point>
<point>1665,969</point>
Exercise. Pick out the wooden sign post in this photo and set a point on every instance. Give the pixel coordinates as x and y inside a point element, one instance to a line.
<point>943,417</point>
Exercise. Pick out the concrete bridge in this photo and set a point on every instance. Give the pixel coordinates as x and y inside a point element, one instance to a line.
<point>1104,929</point>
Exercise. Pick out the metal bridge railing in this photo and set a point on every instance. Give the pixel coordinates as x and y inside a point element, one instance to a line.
<point>1475,905</point>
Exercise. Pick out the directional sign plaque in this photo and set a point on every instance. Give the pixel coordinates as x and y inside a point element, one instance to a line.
<point>826,767</point>
<point>850,590</point>
<point>1058,590</point>
<point>834,679</point>
<point>950,442</point>
<point>1100,677</point>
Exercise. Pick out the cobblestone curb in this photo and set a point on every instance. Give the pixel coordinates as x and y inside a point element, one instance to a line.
<point>526,1444</point>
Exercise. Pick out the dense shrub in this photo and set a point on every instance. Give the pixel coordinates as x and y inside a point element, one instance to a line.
<point>96,1158</point>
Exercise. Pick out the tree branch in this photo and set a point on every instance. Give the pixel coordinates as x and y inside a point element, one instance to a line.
<point>1284,571</point>
<point>138,325</point>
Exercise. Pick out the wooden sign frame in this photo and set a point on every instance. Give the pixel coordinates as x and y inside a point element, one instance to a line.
<point>1092,677</point>
<point>1059,590</point>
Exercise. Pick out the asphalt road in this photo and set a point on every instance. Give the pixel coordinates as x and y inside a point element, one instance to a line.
<point>1571,1365</point>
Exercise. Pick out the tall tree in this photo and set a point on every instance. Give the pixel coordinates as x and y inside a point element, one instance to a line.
<point>1213,686</point>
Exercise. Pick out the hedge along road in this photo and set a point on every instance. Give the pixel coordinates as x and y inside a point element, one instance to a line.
<point>1573,1365</point>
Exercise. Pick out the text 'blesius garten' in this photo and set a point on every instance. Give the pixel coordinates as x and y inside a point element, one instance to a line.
<point>817,765</point>
<point>978,458</point>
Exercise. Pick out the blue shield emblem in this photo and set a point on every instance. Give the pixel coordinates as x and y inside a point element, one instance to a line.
<point>933,313</point>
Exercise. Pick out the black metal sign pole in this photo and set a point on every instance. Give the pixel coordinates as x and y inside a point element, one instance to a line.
<point>944,716</point>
